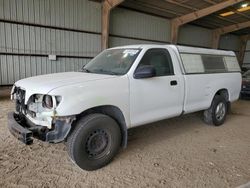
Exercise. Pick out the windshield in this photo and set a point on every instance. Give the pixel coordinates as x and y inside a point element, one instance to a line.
<point>113,61</point>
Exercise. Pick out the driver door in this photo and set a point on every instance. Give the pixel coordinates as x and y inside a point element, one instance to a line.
<point>159,97</point>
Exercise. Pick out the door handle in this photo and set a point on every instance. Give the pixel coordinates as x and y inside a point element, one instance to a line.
<point>173,82</point>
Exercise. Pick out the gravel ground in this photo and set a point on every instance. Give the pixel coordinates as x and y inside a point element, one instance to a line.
<point>179,152</point>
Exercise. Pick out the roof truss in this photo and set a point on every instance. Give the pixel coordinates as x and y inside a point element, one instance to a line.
<point>227,29</point>
<point>177,22</point>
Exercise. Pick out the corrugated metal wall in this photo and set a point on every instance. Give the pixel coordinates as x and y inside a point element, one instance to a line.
<point>230,42</point>
<point>18,67</point>
<point>198,36</point>
<point>143,28</point>
<point>32,29</point>
<point>127,23</point>
<point>193,35</point>
<point>18,38</point>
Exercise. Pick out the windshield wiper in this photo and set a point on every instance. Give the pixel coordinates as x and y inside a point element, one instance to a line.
<point>105,72</point>
<point>85,70</point>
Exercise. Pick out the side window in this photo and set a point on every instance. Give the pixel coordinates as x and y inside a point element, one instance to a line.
<point>213,63</point>
<point>160,59</point>
<point>202,63</point>
<point>192,63</point>
<point>232,63</point>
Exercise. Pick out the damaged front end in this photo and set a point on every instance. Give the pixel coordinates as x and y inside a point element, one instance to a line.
<point>37,118</point>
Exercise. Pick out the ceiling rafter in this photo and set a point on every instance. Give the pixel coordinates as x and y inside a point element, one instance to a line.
<point>148,5</point>
<point>211,22</point>
<point>196,9</point>
<point>227,29</point>
<point>231,28</point>
<point>177,22</point>
<point>239,13</point>
<point>204,12</point>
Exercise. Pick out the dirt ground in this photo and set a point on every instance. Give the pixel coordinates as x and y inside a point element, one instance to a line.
<point>180,152</point>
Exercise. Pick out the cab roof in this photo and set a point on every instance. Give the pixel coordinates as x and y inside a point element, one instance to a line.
<point>181,49</point>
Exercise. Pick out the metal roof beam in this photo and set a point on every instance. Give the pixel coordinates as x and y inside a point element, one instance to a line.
<point>107,6</point>
<point>177,22</point>
<point>195,9</point>
<point>227,29</point>
<point>148,5</point>
<point>239,13</point>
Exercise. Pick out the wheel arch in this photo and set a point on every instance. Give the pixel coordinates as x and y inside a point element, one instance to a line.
<point>115,113</point>
<point>224,93</point>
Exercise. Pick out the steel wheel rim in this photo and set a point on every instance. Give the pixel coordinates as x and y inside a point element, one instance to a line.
<point>220,111</point>
<point>98,144</point>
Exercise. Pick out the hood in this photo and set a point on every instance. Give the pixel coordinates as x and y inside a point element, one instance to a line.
<point>45,83</point>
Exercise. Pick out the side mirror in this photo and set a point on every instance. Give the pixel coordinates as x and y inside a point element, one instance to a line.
<point>144,72</point>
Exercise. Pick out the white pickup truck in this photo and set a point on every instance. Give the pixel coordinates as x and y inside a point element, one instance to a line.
<point>121,88</point>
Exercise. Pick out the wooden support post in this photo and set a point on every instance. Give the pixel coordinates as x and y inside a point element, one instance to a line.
<point>107,6</point>
<point>174,32</point>
<point>215,39</point>
<point>105,24</point>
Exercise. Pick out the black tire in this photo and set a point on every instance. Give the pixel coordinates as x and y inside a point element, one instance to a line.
<point>94,142</point>
<point>211,115</point>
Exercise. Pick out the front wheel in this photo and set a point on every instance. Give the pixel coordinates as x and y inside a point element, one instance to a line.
<point>94,141</point>
<point>217,112</point>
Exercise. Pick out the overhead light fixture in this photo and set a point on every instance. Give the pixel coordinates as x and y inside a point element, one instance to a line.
<point>227,13</point>
<point>245,8</point>
<point>244,5</point>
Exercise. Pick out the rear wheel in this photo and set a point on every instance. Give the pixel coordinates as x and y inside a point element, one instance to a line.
<point>217,112</point>
<point>94,142</point>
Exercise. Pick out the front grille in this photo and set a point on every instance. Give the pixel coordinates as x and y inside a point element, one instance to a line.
<point>20,100</point>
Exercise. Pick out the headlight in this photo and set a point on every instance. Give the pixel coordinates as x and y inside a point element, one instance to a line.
<point>39,103</point>
<point>12,92</point>
<point>47,101</point>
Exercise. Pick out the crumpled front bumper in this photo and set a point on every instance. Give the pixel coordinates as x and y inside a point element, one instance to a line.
<point>25,131</point>
<point>20,132</point>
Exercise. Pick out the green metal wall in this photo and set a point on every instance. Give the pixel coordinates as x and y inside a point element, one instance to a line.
<point>30,30</point>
